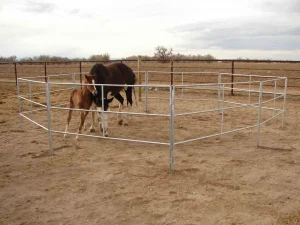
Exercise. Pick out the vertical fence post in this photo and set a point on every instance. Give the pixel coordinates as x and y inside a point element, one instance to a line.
<point>259,113</point>
<point>146,91</point>
<point>172,79</point>
<point>284,101</point>
<point>102,111</point>
<point>140,78</point>
<point>19,104</point>
<point>274,103</point>
<point>45,69</point>
<point>73,81</point>
<point>249,94</point>
<point>49,116</point>
<point>16,74</point>
<point>80,71</point>
<point>232,72</point>
<point>172,115</point>
<point>30,97</point>
<point>219,83</point>
<point>182,84</point>
<point>222,123</point>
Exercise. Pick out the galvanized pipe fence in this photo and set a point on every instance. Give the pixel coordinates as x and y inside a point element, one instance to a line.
<point>220,87</point>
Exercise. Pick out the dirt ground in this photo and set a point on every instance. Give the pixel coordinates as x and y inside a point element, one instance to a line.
<point>220,180</point>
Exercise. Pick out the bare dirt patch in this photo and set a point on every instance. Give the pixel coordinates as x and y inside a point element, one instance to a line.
<point>223,180</point>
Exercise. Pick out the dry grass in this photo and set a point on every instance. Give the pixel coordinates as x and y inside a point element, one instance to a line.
<point>290,219</point>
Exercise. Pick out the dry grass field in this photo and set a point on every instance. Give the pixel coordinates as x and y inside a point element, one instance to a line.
<point>220,180</point>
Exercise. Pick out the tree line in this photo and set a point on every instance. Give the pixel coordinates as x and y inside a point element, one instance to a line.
<point>48,58</point>
<point>161,53</point>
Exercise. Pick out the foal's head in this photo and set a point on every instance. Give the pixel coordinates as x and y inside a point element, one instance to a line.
<point>91,80</point>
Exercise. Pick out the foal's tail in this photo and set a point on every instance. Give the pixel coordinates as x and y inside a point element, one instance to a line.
<point>71,106</point>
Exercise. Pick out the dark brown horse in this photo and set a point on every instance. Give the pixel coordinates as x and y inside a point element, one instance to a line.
<point>115,74</point>
<point>82,99</point>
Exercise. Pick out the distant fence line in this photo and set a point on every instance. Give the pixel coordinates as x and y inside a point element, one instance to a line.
<point>168,64</point>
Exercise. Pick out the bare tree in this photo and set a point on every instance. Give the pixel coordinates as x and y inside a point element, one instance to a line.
<point>8,59</point>
<point>135,57</point>
<point>163,53</point>
<point>102,57</point>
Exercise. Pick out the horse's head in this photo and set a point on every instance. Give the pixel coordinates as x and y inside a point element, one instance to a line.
<point>91,80</point>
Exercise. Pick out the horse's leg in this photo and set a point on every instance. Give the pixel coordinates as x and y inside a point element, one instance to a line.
<point>128,92</point>
<point>99,117</point>
<point>127,120</point>
<point>92,128</point>
<point>82,119</point>
<point>120,120</point>
<point>121,101</point>
<point>104,121</point>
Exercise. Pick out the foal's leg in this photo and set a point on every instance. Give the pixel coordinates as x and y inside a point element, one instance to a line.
<point>82,119</point>
<point>69,119</point>
<point>68,122</point>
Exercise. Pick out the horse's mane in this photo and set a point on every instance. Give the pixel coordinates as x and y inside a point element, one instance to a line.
<point>101,73</point>
<point>94,68</point>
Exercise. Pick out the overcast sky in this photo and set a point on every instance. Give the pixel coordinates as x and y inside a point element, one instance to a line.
<point>261,29</point>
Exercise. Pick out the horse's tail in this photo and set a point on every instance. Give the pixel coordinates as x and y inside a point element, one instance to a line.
<point>133,76</point>
<point>128,92</point>
<point>130,79</point>
<point>133,88</point>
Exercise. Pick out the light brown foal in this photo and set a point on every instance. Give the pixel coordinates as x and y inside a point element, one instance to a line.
<point>81,99</point>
